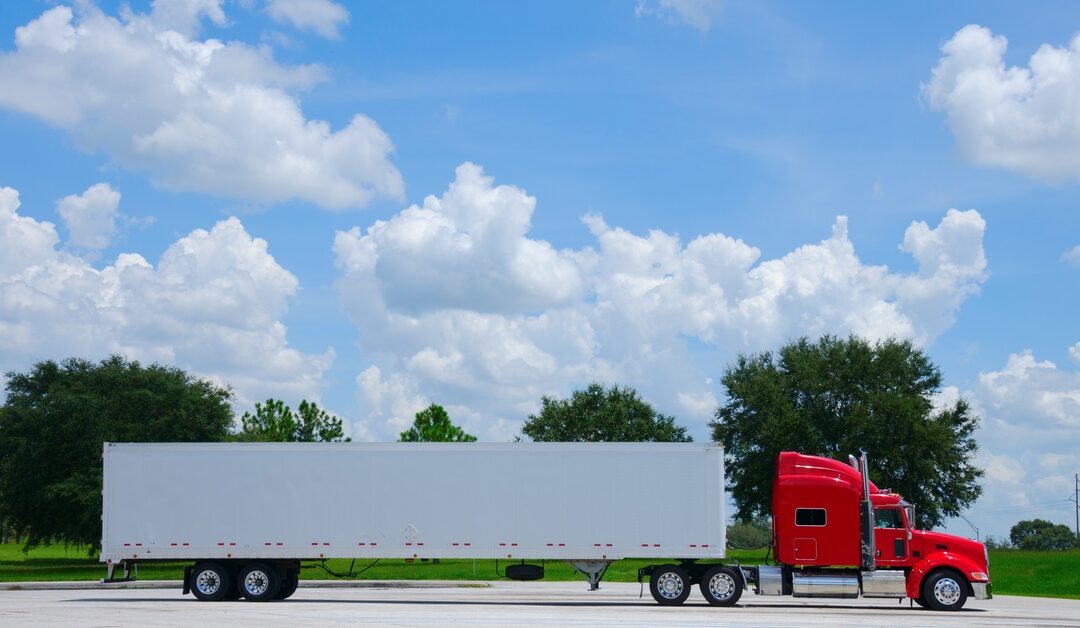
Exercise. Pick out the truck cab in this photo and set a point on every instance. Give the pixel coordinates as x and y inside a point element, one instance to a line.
<point>835,529</point>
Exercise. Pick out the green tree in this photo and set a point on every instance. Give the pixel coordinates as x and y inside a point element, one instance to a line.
<point>836,396</point>
<point>55,420</point>
<point>1041,535</point>
<point>274,421</point>
<point>598,414</point>
<point>433,425</point>
<point>753,534</point>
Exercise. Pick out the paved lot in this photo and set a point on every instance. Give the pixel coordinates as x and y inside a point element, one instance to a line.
<point>503,604</point>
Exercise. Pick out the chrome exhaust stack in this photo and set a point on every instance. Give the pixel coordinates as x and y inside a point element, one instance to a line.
<point>866,515</point>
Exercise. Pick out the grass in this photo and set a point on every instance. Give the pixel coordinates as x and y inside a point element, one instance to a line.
<point>1040,574</point>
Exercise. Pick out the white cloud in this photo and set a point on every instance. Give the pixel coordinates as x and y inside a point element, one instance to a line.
<point>211,305</point>
<point>185,16</point>
<point>456,304</point>
<point>90,217</point>
<point>321,16</point>
<point>699,14</point>
<point>1021,118</point>
<point>1037,391</point>
<point>1029,440</point>
<point>193,114</point>
<point>1072,255</point>
<point>1074,352</point>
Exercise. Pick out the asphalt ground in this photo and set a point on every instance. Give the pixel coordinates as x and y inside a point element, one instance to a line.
<point>501,604</point>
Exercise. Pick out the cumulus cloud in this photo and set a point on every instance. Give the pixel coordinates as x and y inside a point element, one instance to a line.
<point>1034,389</point>
<point>212,304</point>
<point>1030,411</point>
<point>457,304</point>
<point>200,115</point>
<point>320,16</point>
<point>1021,118</point>
<point>699,14</point>
<point>90,217</point>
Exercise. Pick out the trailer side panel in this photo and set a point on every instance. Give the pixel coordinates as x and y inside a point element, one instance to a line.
<point>394,500</point>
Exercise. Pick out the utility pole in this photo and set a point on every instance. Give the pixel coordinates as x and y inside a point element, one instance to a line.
<point>1076,500</point>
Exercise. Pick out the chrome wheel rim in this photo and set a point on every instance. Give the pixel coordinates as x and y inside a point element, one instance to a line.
<point>208,582</point>
<point>669,585</point>
<point>256,582</point>
<point>947,591</point>
<point>722,586</point>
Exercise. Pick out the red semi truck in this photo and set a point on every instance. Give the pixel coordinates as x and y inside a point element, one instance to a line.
<point>837,535</point>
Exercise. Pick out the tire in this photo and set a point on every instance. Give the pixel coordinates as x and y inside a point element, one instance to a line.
<point>721,586</point>
<point>921,602</point>
<point>669,585</point>
<point>258,582</point>
<point>211,582</point>
<point>944,591</point>
<point>288,585</point>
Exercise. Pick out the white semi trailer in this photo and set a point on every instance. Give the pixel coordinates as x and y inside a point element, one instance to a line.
<point>246,514</point>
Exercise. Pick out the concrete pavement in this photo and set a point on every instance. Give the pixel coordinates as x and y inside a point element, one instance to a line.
<point>502,604</point>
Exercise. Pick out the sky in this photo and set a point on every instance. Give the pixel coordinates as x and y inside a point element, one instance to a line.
<point>383,205</point>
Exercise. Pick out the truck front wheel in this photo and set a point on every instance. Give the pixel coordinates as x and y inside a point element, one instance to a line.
<point>721,586</point>
<point>944,591</point>
<point>669,585</point>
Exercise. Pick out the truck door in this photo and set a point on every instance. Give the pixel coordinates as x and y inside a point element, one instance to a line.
<point>891,536</point>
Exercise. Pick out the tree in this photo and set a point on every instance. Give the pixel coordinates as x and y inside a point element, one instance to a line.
<point>274,421</point>
<point>597,414</point>
<point>433,425</point>
<point>753,534</point>
<point>837,396</point>
<point>1041,535</point>
<point>56,418</point>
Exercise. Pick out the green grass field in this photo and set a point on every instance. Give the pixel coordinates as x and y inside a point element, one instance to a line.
<point>1044,574</point>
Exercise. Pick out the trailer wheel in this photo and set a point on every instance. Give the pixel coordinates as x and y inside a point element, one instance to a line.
<point>258,582</point>
<point>669,585</point>
<point>721,586</point>
<point>944,591</point>
<point>210,582</point>
<point>288,585</point>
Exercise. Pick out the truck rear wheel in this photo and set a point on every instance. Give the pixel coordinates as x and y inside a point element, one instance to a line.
<point>721,586</point>
<point>289,584</point>
<point>258,582</point>
<point>210,582</point>
<point>669,585</point>
<point>944,591</point>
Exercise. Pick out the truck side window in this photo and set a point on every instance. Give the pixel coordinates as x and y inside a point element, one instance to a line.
<point>887,518</point>
<point>809,516</point>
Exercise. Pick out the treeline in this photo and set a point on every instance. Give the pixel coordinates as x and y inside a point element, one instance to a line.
<point>829,396</point>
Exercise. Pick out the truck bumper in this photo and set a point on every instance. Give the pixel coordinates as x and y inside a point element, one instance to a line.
<point>982,590</point>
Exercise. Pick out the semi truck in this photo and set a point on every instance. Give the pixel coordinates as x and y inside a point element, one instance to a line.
<point>245,516</point>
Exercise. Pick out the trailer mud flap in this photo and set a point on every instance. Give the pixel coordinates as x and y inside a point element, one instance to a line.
<point>187,579</point>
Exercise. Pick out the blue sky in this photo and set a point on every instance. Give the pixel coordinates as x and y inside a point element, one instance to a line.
<point>662,122</point>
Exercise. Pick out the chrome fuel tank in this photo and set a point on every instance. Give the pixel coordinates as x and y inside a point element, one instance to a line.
<point>823,585</point>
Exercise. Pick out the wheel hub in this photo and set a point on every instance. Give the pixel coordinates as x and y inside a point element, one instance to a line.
<point>947,591</point>
<point>670,585</point>
<point>208,582</point>
<point>721,586</point>
<point>256,583</point>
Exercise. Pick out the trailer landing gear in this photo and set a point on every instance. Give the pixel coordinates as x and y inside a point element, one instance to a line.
<point>593,570</point>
